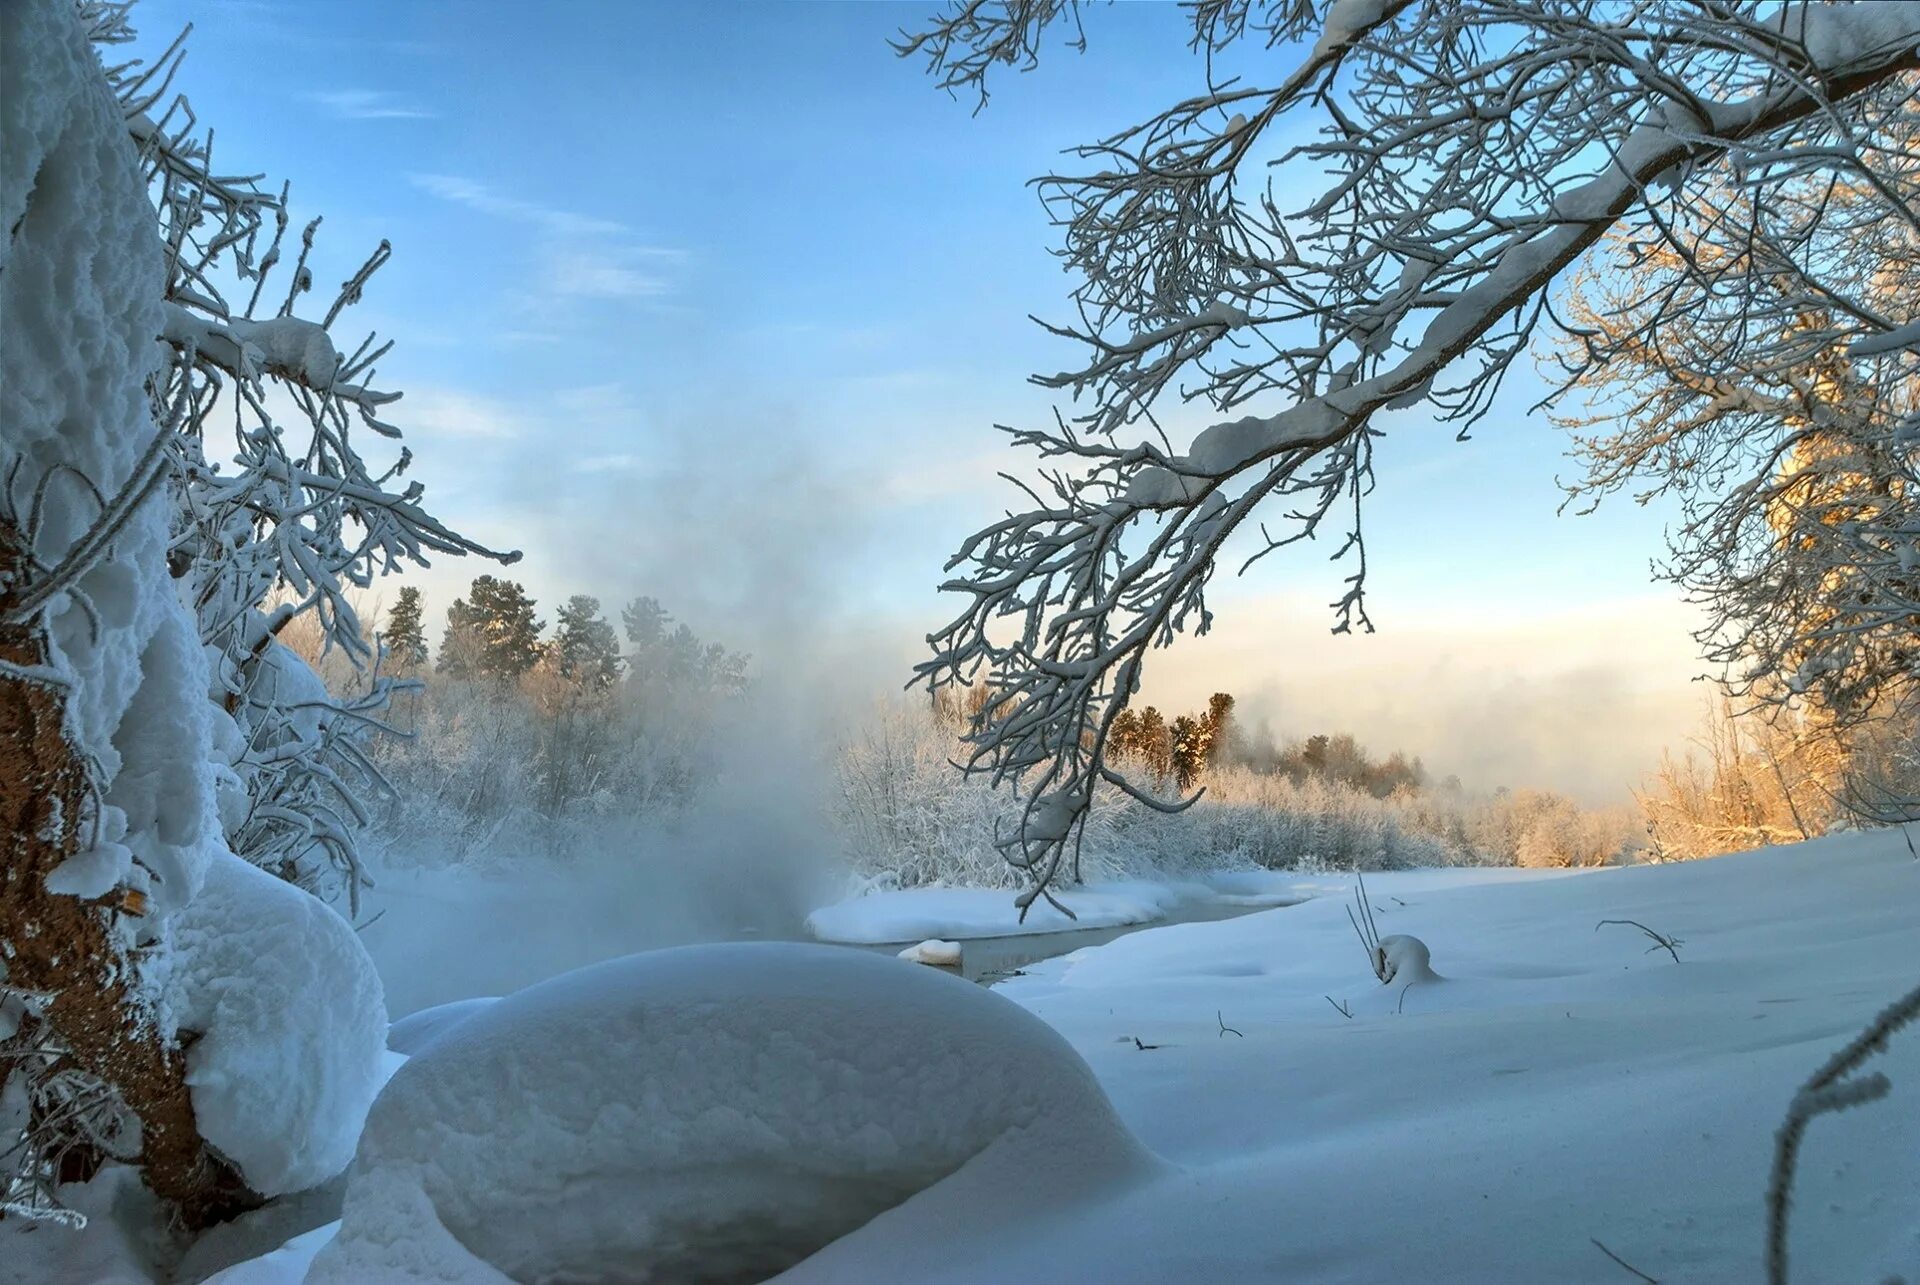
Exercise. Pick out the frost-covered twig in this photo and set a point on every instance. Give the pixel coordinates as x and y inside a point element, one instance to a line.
<point>1364,929</point>
<point>1622,1262</point>
<point>1660,941</point>
<point>1827,1090</point>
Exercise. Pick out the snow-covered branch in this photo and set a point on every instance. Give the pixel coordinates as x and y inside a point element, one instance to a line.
<point>1467,155</point>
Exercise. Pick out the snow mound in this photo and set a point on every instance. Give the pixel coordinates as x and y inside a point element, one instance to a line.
<point>290,1024</point>
<point>933,951</point>
<point>1406,960</point>
<point>417,1030</point>
<point>713,1113</point>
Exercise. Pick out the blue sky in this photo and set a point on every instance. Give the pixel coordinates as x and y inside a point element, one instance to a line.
<point>719,302</point>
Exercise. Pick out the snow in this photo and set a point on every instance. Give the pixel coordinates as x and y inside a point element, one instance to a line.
<point>417,1030</point>
<point>933,951</point>
<point>915,914</point>
<point>121,1246</point>
<point>1558,1086</point>
<point>286,1265</point>
<point>80,286</point>
<point>715,1112</point>
<point>1405,960</point>
<point>291,1045</point>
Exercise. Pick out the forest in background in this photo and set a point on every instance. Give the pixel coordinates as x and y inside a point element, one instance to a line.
<point>512,739</point>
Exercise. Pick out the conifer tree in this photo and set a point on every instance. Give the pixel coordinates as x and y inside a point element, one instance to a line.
<point>406,640</point>
<point>586,650</point>
<point>493,636</point>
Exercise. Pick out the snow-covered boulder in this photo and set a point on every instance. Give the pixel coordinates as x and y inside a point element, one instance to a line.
<point>288,1025</point>
<point>710,1112</point>
<point>417,1030</point>
<point>940,954</point>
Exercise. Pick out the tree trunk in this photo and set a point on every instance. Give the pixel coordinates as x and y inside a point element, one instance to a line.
<point>68,948</point>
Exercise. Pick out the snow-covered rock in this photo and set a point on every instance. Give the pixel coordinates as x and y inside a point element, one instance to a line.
<point>710,1112</point>
<point>417,1030</point>
<point>933,951</point>
<point>290,1028</point>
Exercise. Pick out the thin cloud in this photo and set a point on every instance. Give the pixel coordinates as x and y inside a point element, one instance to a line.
<point>478,196</point>
<point>446,412</point>
<point>618,462</point>
<point>606,272</point>
<point>369,104</point>
<point>580,256</point>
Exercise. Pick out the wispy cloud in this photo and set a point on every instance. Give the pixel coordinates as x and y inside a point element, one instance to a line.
<point>608,272</point>
<point>478,196</point>
<point>369,104</point>
<point>617,462</point>
<point>580,256</point>
<point>448,412</point>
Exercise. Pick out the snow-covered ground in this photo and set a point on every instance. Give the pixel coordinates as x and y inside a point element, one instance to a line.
<point>963,914</point>
<point>1557,1086</point>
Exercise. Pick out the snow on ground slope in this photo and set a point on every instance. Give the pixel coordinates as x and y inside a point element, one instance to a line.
<point>1559,1086</point>
<point>712,1113</point>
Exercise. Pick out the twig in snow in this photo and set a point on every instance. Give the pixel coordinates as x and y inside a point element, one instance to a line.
<point>1827,1090</point>
<point>1401,1007</point>
<point>1224,1028</point>
<point>1340,1008</point>
<point>1660,942</point>
<point>1623,1262</point>
<point>1363,927</point>
<point>1142,1047</point>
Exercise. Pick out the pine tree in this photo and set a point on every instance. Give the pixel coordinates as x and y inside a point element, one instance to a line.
<point>406,640</point>
<point>1123,738</point>
<point>1217,724</point>
<point>494,636</point>
<point>664,654</point>
<point>586,650</point>
<point>1186,750</point>
<point>1156,749</point>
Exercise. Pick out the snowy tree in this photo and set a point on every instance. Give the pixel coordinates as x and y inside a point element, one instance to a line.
<point>491,634</point>
<point>405,638</point>
<point>164,1003</point>
<point>586,650</point>
<point>1469,153</point>
<point>664,655</point>
<point>1785,428</point>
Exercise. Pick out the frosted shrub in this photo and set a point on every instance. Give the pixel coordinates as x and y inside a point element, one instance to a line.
<point>908,818</point>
